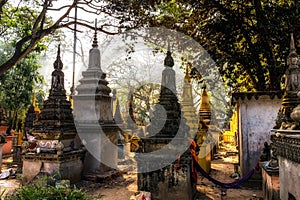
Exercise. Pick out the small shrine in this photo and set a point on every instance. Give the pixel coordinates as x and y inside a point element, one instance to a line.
<point>283,168</point>
<point>203,138</point>
<point>159,169</point>
<point>94,120</point>
<point>56,152</point>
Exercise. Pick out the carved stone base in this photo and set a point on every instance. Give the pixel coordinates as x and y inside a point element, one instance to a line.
<point>169,182</point>
<point>66,166</point>
<point>271,188</point>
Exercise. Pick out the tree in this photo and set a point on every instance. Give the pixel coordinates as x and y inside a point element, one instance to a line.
<point>249,40</point>
<point>39,24</point>
<point>17,86</point>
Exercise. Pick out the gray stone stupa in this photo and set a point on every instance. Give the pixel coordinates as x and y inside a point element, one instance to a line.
<point>93,115</point>
<point>160,170</point>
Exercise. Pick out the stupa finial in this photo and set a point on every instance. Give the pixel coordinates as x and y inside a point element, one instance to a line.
<point>58,63</point>
<point>204,85</point>
<point>95,42</point>
<point>169,60</point>
<point>187,77</point>
<point>292,43</point>
<point>293,57</point>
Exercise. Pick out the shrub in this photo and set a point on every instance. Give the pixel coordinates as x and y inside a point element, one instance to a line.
<point>39,191</point>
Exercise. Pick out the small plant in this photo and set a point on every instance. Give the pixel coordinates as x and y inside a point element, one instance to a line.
<point>40,191</point>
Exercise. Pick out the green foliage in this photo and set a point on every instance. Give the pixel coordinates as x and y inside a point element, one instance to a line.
<point>248,40</point>
<point>39,191</point>
<point>17,86</point>
<point>17,23</point>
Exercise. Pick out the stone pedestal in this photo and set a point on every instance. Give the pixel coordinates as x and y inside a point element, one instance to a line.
<point>164,175</point>
<point>270,184</point>
<point>66,166</point>
<point>101,143</point>
<point>169,182</point>
<point>204,157</point>
<point>287,145</point>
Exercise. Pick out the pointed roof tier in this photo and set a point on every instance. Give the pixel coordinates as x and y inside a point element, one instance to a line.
<point>170,114</point>
<point>93,80</point>
<point>55,121</point>
<point>57,83</point>
<point>189,111</point>
<point>116,108</point>
<point>292,80</point>
<point>204,110</point>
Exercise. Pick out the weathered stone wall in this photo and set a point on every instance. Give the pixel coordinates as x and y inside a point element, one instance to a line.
<point>289,176</point>
<point>256,119</point>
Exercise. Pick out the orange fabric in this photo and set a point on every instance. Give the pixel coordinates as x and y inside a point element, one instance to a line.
<point>178,163</point>
<point>193,149</point>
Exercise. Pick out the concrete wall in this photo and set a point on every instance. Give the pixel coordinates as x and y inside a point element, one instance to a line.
<point>289,176</point>
<point>256,119</point>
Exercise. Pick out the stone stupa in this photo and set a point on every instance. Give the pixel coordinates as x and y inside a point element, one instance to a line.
<point>188,109</point>
<point>160,171</point>
<point>94,120</point>
<point>56,153</point>
<point>204,156</point>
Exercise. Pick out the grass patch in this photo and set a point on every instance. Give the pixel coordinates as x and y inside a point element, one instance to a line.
<point>39,191</point>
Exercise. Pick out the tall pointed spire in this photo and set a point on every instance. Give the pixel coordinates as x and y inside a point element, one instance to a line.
<point>292,43</point>
<point>57,82</point>
<point>58,63</point>
<point>95,42</point>
<point>293,57</point>
<point>189,111</point>
<point>168,81</point>
<point>187,77</point>
<point>94,54</point>
<point>169,61</point>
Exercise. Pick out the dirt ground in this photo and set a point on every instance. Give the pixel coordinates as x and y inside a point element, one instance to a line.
<point>123,186</point>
